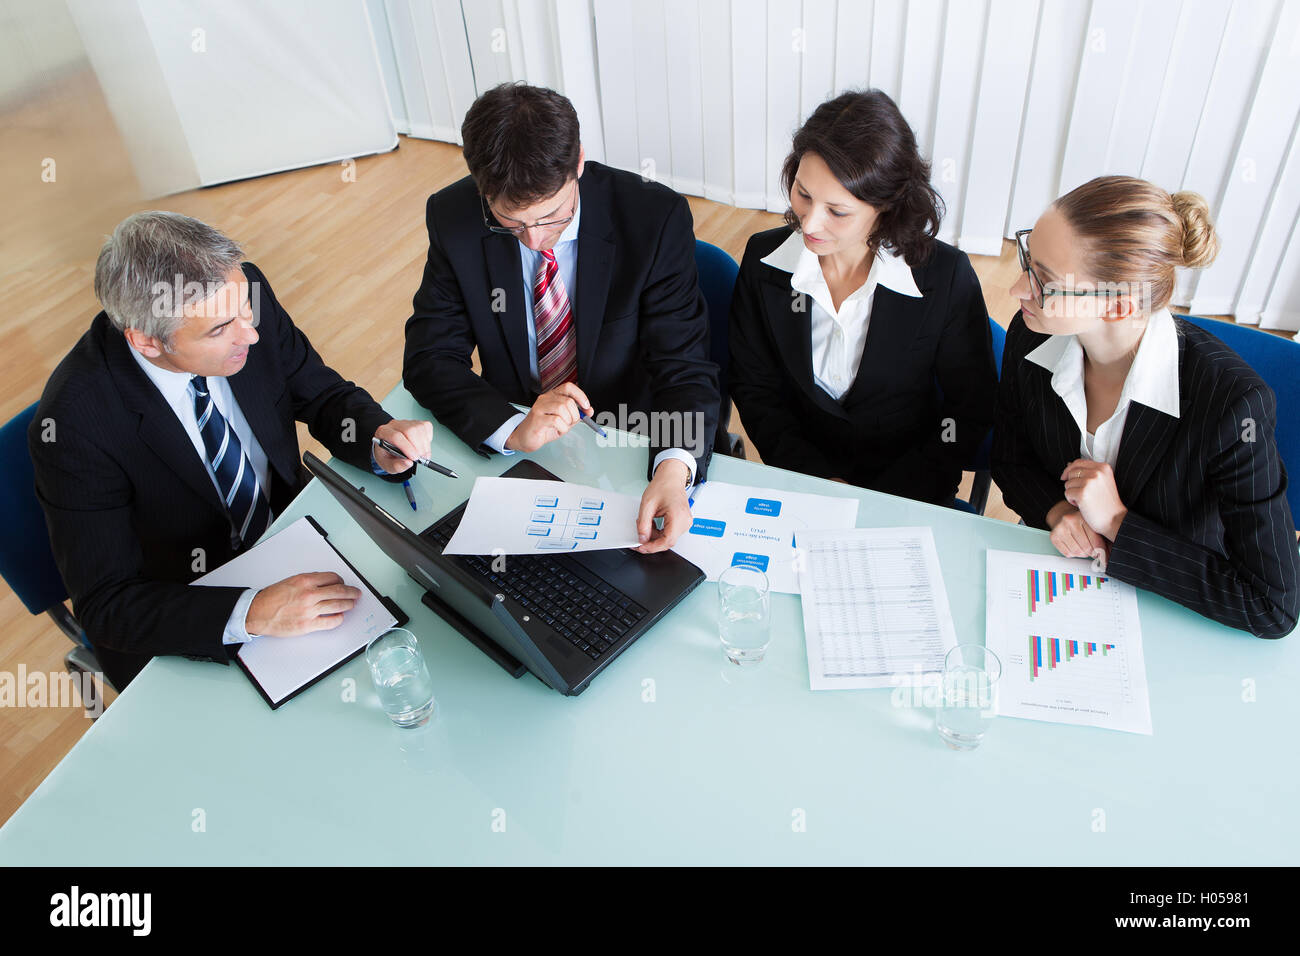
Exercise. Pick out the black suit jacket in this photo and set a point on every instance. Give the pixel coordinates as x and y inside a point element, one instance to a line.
<point>1208,524</point>
<point>926,361</point>
<point>132,513</point>
<point>641,322</point>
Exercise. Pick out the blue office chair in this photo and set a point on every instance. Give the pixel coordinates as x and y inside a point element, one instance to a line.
<point>26,561</point>
<point>1277,361</point>
<point>979,463</point>
<point>717,271</point>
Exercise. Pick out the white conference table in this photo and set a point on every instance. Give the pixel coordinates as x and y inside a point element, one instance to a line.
<point>671,755</point>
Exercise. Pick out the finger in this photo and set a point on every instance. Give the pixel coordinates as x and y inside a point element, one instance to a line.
<point>397,438</point>
<point>331,608</point>
<point>337,592</point>
<point>320,579</point>
<point>325,622</point>
<point>645,518</point>
<point>577,394</point>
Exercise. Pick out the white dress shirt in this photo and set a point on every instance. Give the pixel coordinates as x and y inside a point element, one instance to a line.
<point>839,335</point>
<point>566,258</point>
<point>1152,381</point>
<point>175,390</point>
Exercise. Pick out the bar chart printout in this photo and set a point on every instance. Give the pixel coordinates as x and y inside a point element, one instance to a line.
<point>875,611</point>
<point>1069,640</point>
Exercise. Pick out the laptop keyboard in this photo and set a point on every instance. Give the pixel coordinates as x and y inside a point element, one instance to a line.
<point>588,612</point>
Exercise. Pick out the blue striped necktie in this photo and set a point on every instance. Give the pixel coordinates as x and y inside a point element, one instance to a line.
<point>250,513</point>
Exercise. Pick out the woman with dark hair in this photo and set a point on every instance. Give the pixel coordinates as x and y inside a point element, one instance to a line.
<point>860,345</point>
<point>1136,438</point>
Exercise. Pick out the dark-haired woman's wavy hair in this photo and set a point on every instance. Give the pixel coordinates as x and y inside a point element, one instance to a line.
<point>864,140</point>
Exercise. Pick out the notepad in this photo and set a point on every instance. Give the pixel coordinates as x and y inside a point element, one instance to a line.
<point>280,667</point>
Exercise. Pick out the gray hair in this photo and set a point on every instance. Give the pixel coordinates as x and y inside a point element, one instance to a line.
<point>155,264</point>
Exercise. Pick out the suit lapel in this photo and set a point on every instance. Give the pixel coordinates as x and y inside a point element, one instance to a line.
<point>894,320</point>
<point>1147,434</point>
<point>250,388</point>
<point>595,255</point>
<point>501,253</point>
<point>791,326</point>
<point>1053,420</point>
<point>159,427</point>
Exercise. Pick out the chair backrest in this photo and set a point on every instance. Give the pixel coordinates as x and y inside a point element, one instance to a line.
<point>26,561</point>
<point>999,343</point>
<point>979,461</point>
<point>717,281</point>
<point>1277,361</point>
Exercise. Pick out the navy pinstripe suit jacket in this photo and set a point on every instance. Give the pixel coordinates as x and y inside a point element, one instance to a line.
<point>1208,524</point>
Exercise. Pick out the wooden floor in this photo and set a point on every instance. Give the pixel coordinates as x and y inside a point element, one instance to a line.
<point>343,256</point>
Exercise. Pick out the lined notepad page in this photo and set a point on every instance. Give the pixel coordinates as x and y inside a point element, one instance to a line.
<point>282,665</point>
<point>875,610</point>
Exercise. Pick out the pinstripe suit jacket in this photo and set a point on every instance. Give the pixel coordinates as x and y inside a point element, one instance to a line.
<point>131,508</point>
<point>1208,524</point>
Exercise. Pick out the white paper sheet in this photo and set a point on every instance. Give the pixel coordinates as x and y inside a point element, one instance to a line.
<point>875,611</point>
<point>281,665</point>
<point>1041,608</point>
<point>756,527</point>
<point>525,516</point>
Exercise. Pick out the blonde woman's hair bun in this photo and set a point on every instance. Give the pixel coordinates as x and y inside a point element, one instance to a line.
<point>1200,241</point>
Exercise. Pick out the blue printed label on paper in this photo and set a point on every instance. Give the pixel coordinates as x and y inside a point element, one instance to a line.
<point>756,561</point>
<point>585,533</point>
<point>763,506</point>
<point>588,519</point>
<point>557,545</point>
<point>538,530</point>
<point>708,527</point>
<point>546,501</point>
<point>543,517</point>
<point>591,504</point>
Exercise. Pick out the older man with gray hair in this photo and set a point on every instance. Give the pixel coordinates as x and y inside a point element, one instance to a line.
<point>165,444</point>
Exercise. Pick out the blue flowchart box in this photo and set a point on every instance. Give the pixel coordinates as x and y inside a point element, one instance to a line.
<point>557,545</point>
<point>756,561</point>
<point>591,504</point>
<point>763,506</point>
<point>538,530</point>
<point>588,519</point>
<point>586,533</point>
<point>543,517</point>
<point>546,501</point>
<point>708,527</point>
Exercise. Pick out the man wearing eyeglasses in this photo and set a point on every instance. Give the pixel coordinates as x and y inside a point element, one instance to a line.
<point>577,284</point>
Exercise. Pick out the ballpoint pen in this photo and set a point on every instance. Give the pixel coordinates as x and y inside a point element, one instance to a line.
<point>397,452</point>
<point>591,423</point>
<point>410,495</point>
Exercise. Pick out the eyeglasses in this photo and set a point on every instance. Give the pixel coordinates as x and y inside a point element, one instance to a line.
<point>1036,286</point>
<point>517,231</point>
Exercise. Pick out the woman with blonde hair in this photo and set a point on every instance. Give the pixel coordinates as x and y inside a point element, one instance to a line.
<point>1135,437</point>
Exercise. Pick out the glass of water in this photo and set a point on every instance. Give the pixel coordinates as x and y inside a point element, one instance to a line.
<point>401,677</point>
<point>744,621</point>
<point>969,695</point>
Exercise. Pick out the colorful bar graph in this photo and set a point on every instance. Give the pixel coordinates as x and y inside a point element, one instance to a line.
<point>1044,587</point>
<point>1053,647</point>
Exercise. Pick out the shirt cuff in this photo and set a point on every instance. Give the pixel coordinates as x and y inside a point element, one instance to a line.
<point>685,457</point>
<point>235,627</point>
<point>497,440</point>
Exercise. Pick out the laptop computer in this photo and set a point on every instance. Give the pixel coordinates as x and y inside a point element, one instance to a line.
<point>562,617</point>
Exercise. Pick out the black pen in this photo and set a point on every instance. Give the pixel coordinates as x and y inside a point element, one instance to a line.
<point>427,463</point>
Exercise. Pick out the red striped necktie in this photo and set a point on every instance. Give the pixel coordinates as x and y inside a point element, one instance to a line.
<point>557,345</point>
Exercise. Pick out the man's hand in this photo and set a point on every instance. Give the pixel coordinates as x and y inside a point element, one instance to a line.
<point>1072,536</point>
<point>665,497</point>
<point>414,438</point>
<point>553,414</point>
<point>300,604</point>
<point>1090,487</point>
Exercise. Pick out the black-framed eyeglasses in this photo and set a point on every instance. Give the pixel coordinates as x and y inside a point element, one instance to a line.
<point>489,219</point>
<point>1036,286</point>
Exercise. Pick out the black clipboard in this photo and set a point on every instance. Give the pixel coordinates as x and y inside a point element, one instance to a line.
<point>393,609</point>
